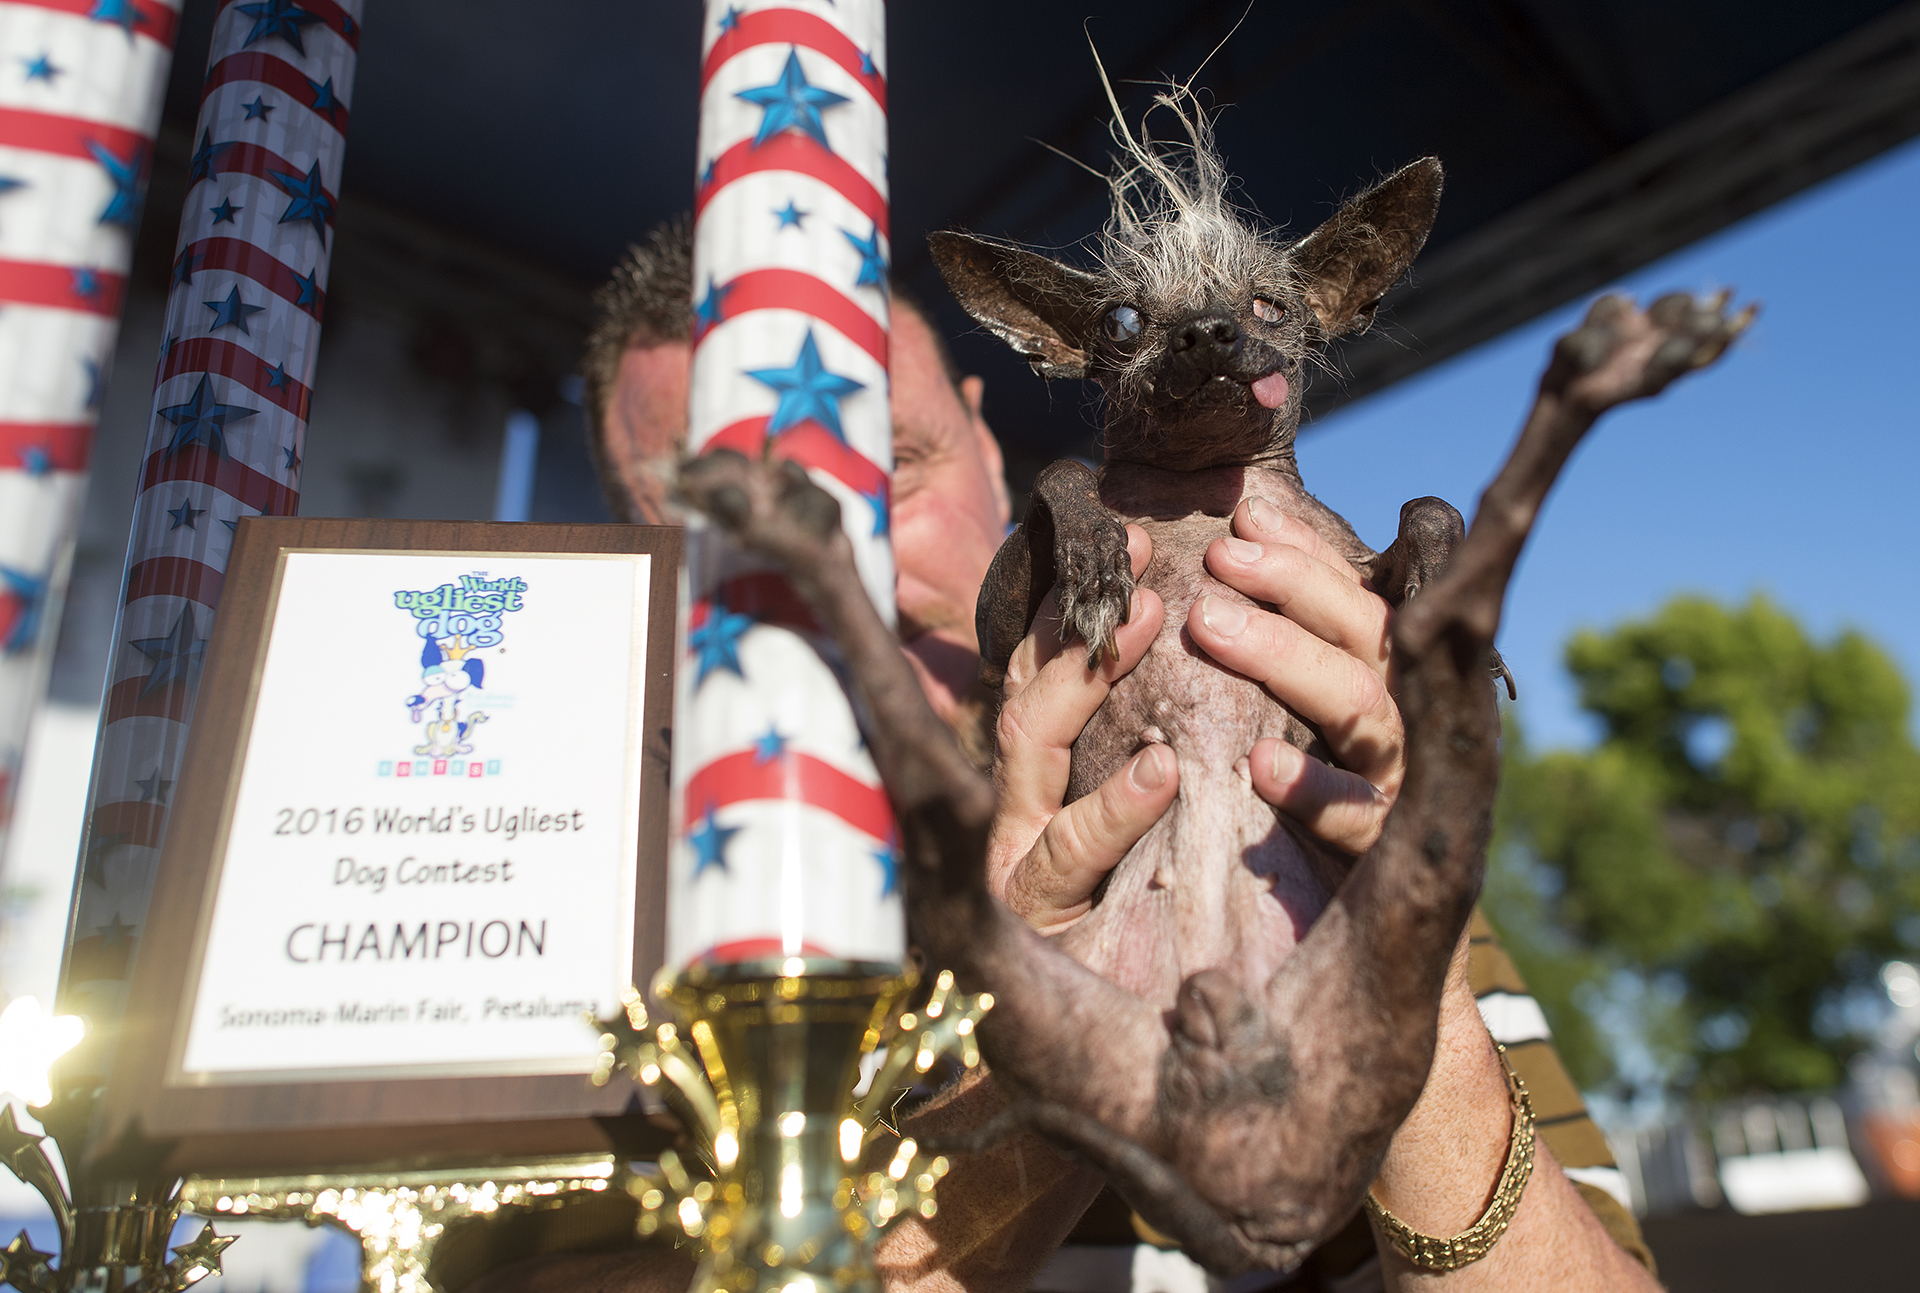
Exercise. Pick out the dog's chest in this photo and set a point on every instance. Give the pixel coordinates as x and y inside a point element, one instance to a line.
<point>1221,880</point>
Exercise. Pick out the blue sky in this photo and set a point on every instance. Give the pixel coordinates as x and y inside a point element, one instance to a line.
<point>1789,467</point>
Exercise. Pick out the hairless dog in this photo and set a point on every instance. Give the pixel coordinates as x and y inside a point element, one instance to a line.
<point>1237,1028</point>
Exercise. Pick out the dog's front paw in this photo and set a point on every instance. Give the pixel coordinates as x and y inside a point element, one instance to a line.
<point>1093,579</point>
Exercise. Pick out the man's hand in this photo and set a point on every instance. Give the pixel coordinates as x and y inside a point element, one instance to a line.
<point>1042,859</point>
<point>1325,656</point>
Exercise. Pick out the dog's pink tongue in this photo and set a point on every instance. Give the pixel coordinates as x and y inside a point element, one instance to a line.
<point>1271,390</point>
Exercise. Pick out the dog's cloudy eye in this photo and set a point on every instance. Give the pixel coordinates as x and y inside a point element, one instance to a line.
<point>1266,311</point>
<point>1123,323</point>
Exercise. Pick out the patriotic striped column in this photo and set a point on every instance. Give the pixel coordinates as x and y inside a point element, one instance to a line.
<point>81,82</point>
<point>227,435</point>
<point>786,842</point>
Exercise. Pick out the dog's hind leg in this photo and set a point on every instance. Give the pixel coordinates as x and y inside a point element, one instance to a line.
<point>1320,1072</point>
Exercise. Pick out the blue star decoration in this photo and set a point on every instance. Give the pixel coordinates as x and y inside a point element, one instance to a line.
<point>204,157</point>
<point>717,642</point>
<point>258,109</point>
<point>22,598</point>
<point>86,282</point>
<point>293,457</point>
<point>711,308</point>
<point>730,19</point>
<point>882,512</point>
<point>277,379</point>
<point>888,856</point>
<point>310,201</point>
<point>184,265</point>
<point>203,420</point>
<point>121,13</point>
<point>706,172</point>
<point>710,840</point>
<point>8,184</point>
<point>123,208</point>
<point>185,514</point>
<point>96,381</point>
<point>232,313</point>
<point>36,460</point>
<point>769,747</point>
<point>177,657</point>
<point>866,64</point>
<point>225,212</point>
<point>791,103</point>
<point>308,293</point>
<point>873,265</point>
<point>152,790</point>
<point>323,100</point>
<point>233,526</point>
<point>42,68</point>
<point>280,18</point>
<point>790,216</point>
<point>807,391</point>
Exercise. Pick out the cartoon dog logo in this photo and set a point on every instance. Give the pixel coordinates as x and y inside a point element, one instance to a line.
<point>446,672</point>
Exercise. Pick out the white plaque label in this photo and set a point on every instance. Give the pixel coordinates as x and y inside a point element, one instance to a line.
<point>429,867</point>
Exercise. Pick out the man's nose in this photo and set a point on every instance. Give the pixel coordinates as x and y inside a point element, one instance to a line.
<point>1210,340</point>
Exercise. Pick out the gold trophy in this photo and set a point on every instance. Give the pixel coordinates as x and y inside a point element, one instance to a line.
<point>793,1176</point>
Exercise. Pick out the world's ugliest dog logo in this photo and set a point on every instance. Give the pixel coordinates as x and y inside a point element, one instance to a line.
<point>455,622</point>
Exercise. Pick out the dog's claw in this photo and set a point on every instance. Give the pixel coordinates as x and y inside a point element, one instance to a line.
<point>1095,587</point>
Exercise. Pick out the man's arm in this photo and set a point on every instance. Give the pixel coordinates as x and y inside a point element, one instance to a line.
<point>1440,1171</point>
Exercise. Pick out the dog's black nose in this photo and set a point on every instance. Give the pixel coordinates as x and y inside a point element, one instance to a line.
<point>1208,339</point>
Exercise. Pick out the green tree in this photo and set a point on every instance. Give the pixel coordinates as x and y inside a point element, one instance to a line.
<point>1727,868</point>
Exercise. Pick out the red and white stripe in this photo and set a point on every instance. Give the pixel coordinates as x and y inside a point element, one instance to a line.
<point>809,826</point>
<point>176,569</point>
<point>62,284</point>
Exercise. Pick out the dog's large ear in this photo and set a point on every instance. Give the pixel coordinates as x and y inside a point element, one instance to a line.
<point>1350,261</point>
<point>1043,309</point>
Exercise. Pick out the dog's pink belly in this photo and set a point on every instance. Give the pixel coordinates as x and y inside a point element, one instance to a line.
<point>1221,881</point>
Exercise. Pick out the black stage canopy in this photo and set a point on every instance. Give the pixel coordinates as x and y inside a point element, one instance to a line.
<point>1580,139</point>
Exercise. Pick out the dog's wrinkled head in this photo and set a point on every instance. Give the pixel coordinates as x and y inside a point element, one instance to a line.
<point>1197,322</point>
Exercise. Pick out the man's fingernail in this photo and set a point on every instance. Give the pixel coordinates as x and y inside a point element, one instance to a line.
<point>1265,516</point>
<point>1243,552</point>
<point>1148,773</point>
<point>1133,606</point>
<point>1222,616</point>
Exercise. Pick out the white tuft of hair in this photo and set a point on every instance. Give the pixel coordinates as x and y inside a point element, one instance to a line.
<point>1173,237</point>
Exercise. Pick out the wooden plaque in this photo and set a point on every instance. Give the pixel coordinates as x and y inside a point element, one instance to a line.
<point>421,827</point>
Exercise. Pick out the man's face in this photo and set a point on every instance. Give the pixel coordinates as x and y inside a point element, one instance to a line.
<point>647,425</point>
<point>949,493</point>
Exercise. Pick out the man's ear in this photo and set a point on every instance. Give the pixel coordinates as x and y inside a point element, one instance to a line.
<point>1350,261</point>
<point>1043,309</point>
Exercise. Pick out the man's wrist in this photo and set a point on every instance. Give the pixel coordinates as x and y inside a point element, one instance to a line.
<point>1444,1253</point>
<point>1442,1165</point>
